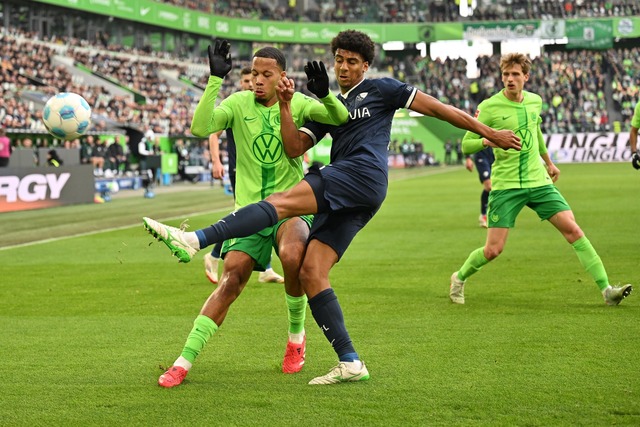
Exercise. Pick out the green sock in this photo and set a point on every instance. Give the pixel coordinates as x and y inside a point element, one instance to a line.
<point>297,312</point>
<point>591,261</point>
<point>473,264</point>
<point>203,329</point>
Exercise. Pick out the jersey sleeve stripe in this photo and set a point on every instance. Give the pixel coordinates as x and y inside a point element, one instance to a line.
<point>411,98</point>
<point>311,134</point>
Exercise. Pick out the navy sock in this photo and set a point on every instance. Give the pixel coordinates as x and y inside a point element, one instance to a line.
<point>328,315</point>
<point>484,199</point>
<point>241,223</point>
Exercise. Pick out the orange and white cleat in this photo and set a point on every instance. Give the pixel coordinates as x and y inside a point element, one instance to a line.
<point>294,357</point>
<point>211,268</point>
<point>270,276</point>
<point>172,377</point>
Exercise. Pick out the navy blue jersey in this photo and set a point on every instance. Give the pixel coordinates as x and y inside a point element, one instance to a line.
<point>365,138</point>
<point>357,176</point>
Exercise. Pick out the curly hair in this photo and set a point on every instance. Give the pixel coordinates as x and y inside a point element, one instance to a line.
<point>512,59</point>
<point>354,41</point>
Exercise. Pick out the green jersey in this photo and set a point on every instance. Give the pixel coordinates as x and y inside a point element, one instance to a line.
<point>262,166</point>
<point>512,168</point>
<point>635,120</point>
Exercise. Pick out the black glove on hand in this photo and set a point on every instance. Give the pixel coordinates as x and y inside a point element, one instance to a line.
<point>635,160</point>
<point>318,83</point>
<point>220,59</point>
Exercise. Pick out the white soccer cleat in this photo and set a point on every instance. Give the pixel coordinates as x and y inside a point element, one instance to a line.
<point>270,276</point>
<point>456,290</point>
<point>342,373</point>
<point>482,221</point>
<point>613,295</point>
<point>211,268</point>
<point>175,239</point>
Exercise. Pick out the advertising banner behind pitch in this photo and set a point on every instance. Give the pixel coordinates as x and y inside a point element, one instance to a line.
<point>45,187</point>
<point>589,147</point>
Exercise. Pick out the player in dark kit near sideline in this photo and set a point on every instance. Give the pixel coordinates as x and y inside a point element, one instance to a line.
<point>217,172</point>
<point>262,168</point>
<point>483,160</point>
<point>520,179</point>
<point>345,194</point>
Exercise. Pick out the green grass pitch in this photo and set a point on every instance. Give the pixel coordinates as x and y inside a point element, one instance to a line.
<point>88,322</point>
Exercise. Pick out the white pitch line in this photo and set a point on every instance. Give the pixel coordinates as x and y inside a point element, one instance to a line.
<point>124,227</point>
<point>91,233</point>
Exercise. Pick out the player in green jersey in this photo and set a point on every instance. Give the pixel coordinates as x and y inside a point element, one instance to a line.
<point>217,172</point>
<point>633,137</point>
<point>520,179</point>
<point>262,169</point>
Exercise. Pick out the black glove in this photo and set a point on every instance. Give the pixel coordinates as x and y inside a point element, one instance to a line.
<point>318,83</point>
<point>220,59</point>
<point>635,160</point>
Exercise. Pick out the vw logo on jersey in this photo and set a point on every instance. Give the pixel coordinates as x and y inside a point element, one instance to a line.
<point>526,137</point>
<point>267,148</point>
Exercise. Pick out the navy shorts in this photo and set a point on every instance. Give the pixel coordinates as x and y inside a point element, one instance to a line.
<point>346,203</point>
<point>483,161</point>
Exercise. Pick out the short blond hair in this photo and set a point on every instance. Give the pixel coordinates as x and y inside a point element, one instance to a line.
<point>511,59</point>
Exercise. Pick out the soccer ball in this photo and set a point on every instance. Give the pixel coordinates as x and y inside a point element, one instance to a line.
<point>66,115</point>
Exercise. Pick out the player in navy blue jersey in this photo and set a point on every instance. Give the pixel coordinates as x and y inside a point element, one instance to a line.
<point>483,160</point>
<point>343,195</point>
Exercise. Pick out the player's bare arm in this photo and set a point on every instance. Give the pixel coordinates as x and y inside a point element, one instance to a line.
<point>552,169</point>
<point>295,143</point>
<point>217,170</point>
<point>469,164</point>
<point>430,106</point>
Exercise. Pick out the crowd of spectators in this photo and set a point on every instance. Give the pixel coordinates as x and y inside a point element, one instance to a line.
<point>573,84</point>
<point>444,79</point>
<point>625,82</point>
<point>542,9</point>
<point>411,10</point>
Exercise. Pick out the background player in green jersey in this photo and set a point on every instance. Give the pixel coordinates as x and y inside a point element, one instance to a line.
<point>633,137</point>
<point>520,179</point>
<point>262,169</point>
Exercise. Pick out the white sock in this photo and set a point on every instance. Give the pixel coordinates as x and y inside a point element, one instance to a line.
<point>296,338</point>
<point>192,239</point>
<point>183,363</point>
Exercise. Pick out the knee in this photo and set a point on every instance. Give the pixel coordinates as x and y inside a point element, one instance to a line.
<point>291,256</point>
<point>573,234</point>
<point>308,274</point>
<point>492,252</point>
<point>230,286</point>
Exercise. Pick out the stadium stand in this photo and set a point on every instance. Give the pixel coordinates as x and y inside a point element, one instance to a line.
<point>413,10</point>
<point>583,91</point>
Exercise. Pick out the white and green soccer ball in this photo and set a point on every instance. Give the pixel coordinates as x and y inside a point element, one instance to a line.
<point>67,115</point>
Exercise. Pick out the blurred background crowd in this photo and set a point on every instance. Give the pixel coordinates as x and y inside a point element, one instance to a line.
<point>583,91</point>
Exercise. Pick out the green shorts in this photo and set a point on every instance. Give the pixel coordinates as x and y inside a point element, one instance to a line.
<point>259,246</point>
<point>505,205</point>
